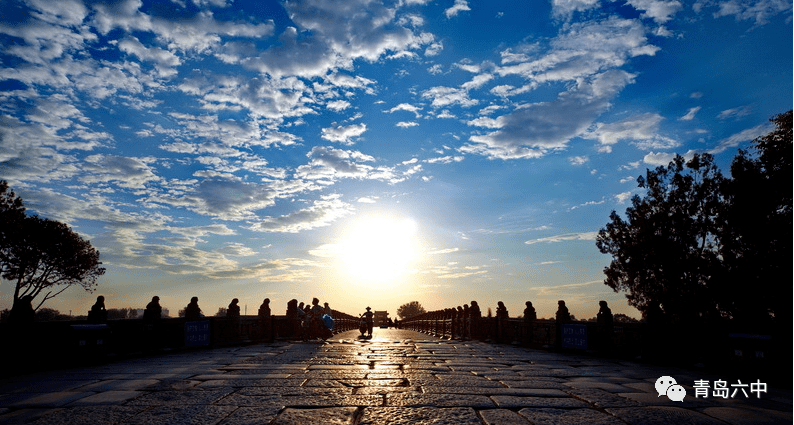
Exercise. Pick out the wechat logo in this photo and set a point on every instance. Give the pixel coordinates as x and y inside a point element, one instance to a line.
<point>666,385</point>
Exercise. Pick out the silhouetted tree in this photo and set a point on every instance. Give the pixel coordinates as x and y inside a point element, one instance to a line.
<point>757,232</point>
<point>42,256</point>
<point>700,246</point>
<point>622,318</point>
<point>50,315</point>
<point>666,252</point>
<point>410,309</point>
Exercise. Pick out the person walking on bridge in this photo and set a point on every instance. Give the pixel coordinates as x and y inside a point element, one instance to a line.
<point>369,316</point>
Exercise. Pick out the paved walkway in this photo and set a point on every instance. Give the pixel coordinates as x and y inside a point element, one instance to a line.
<point>398,377</point>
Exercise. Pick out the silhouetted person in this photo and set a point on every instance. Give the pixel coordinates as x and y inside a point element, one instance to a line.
<point>501,310</point>
<point>192,311</point>
<point>98,313</point>
<point>501,320</point>
<point>292,309</point>
<point>293,323</point>
<point>22,312</point>
<point>530,316</point>
<point>604,317</point>
<point>264,309</point>
<point>316,310</point>
<point>153,310</point>
<point>301,312</point>
<point>529,312</point>
<point>233,310</point>
<point>328,310</point>
<point>475,312</point>
<point>605,324</point>
<point>369,318</point>
<point>562,317</point>
<point>474,320</point>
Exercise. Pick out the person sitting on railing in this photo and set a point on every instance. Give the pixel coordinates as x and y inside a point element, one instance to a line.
<point>192,311</point>
<point>264,309</point>
<point>153,310</point>
<point>529,321</point>
<point>98,313</point>
<point>234,310</point>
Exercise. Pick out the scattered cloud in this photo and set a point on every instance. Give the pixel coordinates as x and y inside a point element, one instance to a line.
<point>585,236</point>
<point>690,115</point>
<point>344,134</point>
<point>322,213</point>
<point>459,6</point>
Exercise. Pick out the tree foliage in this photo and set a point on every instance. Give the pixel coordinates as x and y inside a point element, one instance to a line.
<point>757,230</point>
<point>411,309</point>
<point>42,257</point>
<point>699,245</point>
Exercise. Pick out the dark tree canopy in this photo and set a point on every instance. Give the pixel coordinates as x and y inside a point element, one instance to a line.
<point>758,224</point>
<point>42,257</point>
<point>411,309</point>
<point>700,246</point>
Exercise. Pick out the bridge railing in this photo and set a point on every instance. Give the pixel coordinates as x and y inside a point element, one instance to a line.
<point>69,342</point>
<point>540,332</point>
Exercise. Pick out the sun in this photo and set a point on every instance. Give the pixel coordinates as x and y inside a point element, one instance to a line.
<point>379,249</point>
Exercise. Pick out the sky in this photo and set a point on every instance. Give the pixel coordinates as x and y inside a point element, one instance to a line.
<point>368,152</point>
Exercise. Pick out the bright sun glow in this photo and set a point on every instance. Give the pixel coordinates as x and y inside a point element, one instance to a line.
<point>379,249</point>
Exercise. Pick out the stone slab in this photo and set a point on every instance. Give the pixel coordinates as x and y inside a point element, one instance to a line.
<point>439,400</point>
<point>502,417</point>
<point>329,416</point>
<point>550,416</point>
<point>419,415</point>
<point>513,402</point>
<point>652,415</point>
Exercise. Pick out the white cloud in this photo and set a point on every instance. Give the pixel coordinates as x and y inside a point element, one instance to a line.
<point>658,158</point>
<point>406,124</point>
<point>406,107</point>
<point>124,171</point>
<point>436,69</point>
<point>322,213</point>
<point>585,236</point>
<point>566,8</point>
<point>760,11</point>
<point>434,49</point>
<point>165,61</point>
<point>344,134</point>
<point>640,130</point>
<point>734,113</point>
<point>448,96</point>
<point>660,11</point>
<point>532,131</point>
<point>327,164</point>
<point>229,198</point>
<point>459,6</point>
<point>690,115</point>
<point>585,49</point>
<point>621,198</point>
<point>338,105</point>
<point>741,137</point>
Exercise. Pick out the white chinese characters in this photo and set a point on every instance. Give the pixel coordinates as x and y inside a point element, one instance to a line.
<point>722,390</point>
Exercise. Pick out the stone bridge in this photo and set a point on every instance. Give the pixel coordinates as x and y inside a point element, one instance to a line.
<point>397,377</point>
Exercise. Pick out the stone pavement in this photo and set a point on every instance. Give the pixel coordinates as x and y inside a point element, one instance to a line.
<point>398,377</point>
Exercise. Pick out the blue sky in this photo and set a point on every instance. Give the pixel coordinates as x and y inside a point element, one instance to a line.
<point>369,152</point>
